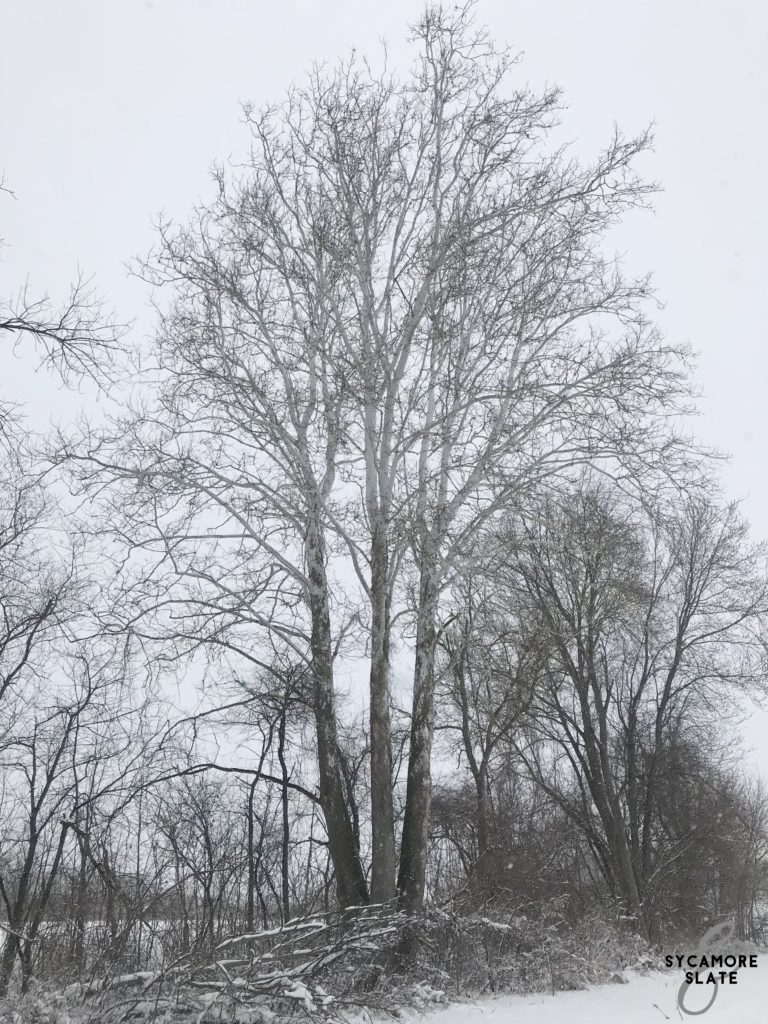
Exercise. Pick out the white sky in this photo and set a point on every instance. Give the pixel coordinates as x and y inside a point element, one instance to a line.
<point>112,110</point>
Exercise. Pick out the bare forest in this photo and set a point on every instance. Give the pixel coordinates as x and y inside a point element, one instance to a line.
<point>386,629</point>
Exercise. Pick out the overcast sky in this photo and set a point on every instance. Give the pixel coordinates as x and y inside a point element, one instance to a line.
<point>112,111</point>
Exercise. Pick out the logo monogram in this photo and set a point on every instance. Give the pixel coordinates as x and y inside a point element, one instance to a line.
<point>723,931</point>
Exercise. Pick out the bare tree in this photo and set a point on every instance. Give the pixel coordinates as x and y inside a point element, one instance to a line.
<point>396,323</point>
<point>537,353</point>
<point>487,672</point>
<point>58,739</point>
<point>653,620</point>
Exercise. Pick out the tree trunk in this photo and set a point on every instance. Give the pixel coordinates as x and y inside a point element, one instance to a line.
<point>382,810</point>
<point>414,847</point>
<point>286,837</point>
<point>483,827</point>
<point>7,962</point>
<point>251,859</point>
<point>350,879</point>
<point>81,913</point>
<point>630,891</point>
<point>25,959</point>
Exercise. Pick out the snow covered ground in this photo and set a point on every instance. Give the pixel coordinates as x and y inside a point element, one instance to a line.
<point>648,999</point>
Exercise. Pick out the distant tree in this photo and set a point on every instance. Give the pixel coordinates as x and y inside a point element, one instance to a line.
<point>653,620</point>
<point>58,759</point>
<point>487,671</point>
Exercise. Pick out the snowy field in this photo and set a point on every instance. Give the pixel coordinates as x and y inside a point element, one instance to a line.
<point>648,999</point>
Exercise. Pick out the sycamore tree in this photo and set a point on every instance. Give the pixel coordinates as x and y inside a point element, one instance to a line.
<point>393,321</point>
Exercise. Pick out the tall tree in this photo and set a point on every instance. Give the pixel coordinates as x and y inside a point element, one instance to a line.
<point>397,321</point>
<point>537,353</point>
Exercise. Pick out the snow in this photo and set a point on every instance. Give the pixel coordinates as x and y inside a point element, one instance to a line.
<point>647,999</point>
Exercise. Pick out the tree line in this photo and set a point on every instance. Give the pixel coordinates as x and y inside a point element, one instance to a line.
<point>401,410</point>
